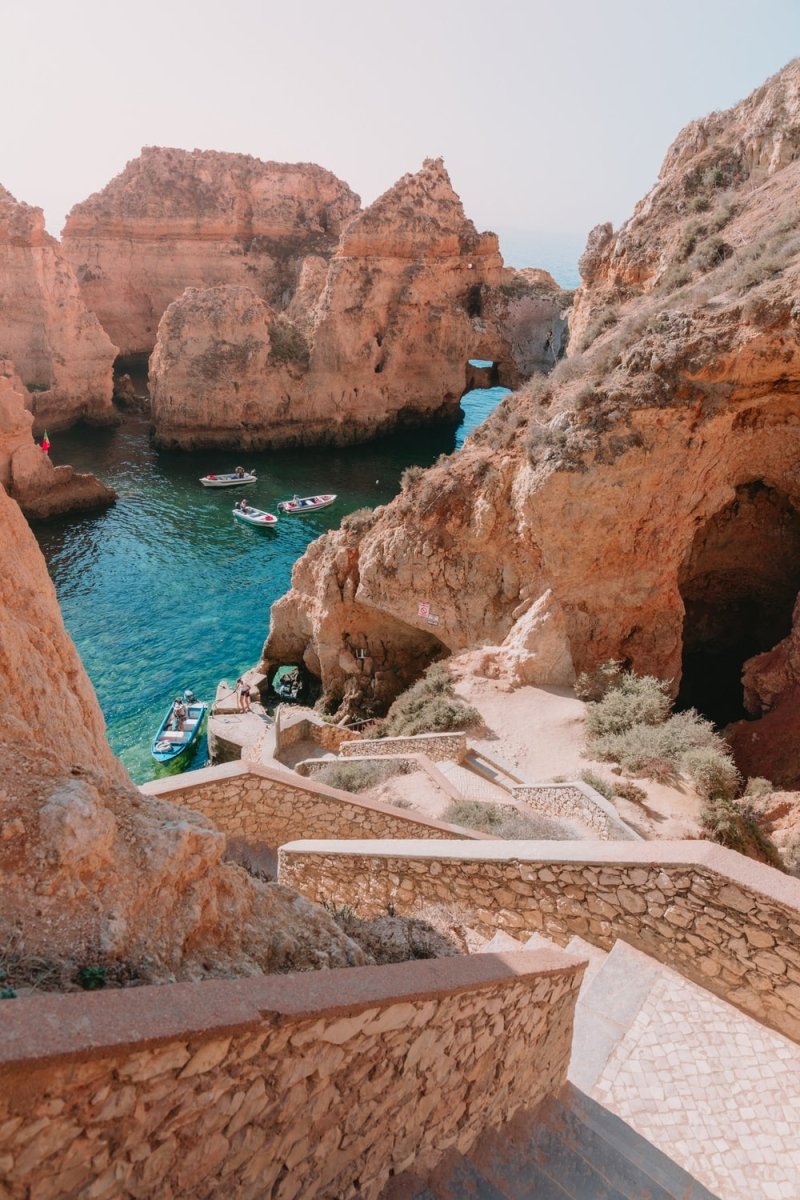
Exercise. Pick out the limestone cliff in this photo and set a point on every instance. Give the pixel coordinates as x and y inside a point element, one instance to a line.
<point>175,219</point>
<point>92,871</point>
<point>57,347</point>
<point>411,294</point>
<point>643,502</point>
<point>27,473</point>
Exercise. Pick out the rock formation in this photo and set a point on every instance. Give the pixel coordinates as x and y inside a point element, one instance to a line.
<point>175,219</point>
<point>411,294</point>
<point>92,871</point>
<point>643,501</point>
<point>57,347</point>
<point>27,473</point>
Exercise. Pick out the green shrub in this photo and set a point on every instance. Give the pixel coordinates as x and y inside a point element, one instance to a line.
<point>699,203</point>
<point>630,791</point>
<point>633,700</point>
<point>733,824</point>
<point>758,786</point>
<point>287,343</point>
<point>712,771</point>
<point>593,685</point>
<point>92,978</point>
<point>428,706</point>
<point>502,822</point>
<point>410,476</point>
<point>472,814</point>
<point>604,786</point>
<point>357,776</point>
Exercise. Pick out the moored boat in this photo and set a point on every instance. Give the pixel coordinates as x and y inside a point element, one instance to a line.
<point>180,728</point>
<point>232,479</point>
<point>304,504</point>
<point>253,516</point>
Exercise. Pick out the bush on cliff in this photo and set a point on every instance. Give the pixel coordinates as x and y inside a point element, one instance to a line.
<point>428,706</point>
<point>632,725</point>
<point>733,823</point>
<point>357,776</point>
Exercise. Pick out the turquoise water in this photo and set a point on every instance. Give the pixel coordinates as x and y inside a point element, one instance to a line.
<point>165,590</point>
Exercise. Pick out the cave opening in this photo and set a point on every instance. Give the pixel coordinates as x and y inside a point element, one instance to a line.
<point>473,301</point>
<point>739,584</point>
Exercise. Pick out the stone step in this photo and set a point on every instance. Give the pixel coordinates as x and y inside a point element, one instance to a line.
<point>485,770</point>
<point>627,1159</point>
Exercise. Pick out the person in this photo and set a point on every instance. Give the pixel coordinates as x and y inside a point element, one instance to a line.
<point>243,692</point>
<point>178,714</point>
<point>243,506</point>
<point>240,472</point>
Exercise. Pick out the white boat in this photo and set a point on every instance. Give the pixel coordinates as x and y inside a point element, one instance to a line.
<point>304,504</point>
<point>232,479</point>
<point>254,516</point>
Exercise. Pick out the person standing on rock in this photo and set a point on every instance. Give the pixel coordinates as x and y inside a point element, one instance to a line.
<point>243,693</point>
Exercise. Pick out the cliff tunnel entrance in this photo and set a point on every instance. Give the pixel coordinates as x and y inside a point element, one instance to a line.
<point>738,585</point>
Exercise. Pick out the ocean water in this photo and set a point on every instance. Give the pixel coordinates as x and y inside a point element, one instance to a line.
<point>165,590</point>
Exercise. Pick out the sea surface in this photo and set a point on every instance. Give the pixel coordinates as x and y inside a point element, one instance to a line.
<point>165,590</point>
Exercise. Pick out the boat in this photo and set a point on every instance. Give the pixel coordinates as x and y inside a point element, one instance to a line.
<point>232,479</point>
<point>171,742</point>
<point>288,683</point>
<point>254,516</point>
<point>304,504</point>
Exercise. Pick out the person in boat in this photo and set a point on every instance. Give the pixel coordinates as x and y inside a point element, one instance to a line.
<point>243,506</point>
<point>179,714</point>
<point>243,693</point>
<point>240,472</point>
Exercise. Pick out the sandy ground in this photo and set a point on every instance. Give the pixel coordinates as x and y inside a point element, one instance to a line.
<point>540,733</point>
<point>415,791</point>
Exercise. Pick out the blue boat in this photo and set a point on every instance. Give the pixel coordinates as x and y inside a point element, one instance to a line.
<point>180,728</point>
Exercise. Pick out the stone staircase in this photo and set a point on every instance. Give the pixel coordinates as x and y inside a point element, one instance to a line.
<point>672,1095</point>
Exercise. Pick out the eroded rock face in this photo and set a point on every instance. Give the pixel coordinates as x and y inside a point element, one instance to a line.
<point>57,347</point>
<point>378,338</point>
<point>93,871</point>
<point>635,495</point>
<point>26,472</point>
<point>175,219</point>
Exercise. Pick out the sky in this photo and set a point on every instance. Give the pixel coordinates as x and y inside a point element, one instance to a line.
<point>551,118</point>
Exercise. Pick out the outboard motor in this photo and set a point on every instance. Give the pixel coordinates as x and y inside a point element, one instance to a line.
<point>189,696</point>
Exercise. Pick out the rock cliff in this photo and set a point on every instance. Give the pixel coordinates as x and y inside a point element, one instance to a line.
<point>93,872</point>
<point>58,349</point>
<point>26,472</point>
<point>380,337</point>
<point>642,502</point>
<point>175,219</point>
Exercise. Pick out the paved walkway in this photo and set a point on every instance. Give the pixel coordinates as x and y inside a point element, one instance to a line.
<point>710,1087</point>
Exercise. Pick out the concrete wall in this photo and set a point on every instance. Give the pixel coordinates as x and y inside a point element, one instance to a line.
<point>725,921</point>
<point>262,804</point>
<point>313,1085</point>
<point>437,746</point>
<point>576,802</point>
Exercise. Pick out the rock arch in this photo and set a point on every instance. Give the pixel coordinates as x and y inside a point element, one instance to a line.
<point>738,583</point>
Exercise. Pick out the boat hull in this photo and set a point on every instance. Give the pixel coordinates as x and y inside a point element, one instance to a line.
<point>256,517</point>
<point>223,481</point>
<point>305,504</point>
<point>171,744</point>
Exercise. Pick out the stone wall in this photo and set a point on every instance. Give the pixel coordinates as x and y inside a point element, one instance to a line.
<point>437,746</point>
<point>291,1086</point>
<point>403,764</point>
<point>576,802</point>
<point>727,922</point>
<point>291,727</point>
<point>262,805</point>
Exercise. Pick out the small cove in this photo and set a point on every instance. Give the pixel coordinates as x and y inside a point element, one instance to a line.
<point>165,590</point>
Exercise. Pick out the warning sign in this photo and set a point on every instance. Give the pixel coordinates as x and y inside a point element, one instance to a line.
<point>424,610</point>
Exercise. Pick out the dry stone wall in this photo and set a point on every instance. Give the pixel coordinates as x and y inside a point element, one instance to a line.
<point>576,802</point>
<point>437,746</point>
<point>281,1087</point>
<point>248,801</point>
<point>724,921</point>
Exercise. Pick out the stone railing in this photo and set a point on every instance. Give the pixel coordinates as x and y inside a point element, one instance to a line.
<point>576,801</point>
<point>316,1084</point>
<point>725,921</point>
<point>266,805</point>
<point>437,746</point>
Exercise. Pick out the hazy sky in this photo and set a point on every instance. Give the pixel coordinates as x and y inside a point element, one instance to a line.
<point>550,117</point>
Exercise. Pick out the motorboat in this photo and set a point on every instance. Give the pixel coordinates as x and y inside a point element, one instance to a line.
<point>178,732</point>
<point>232,479</point>
<point>254,516</point>
<point>305,504</point>
<point>288,683</point>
